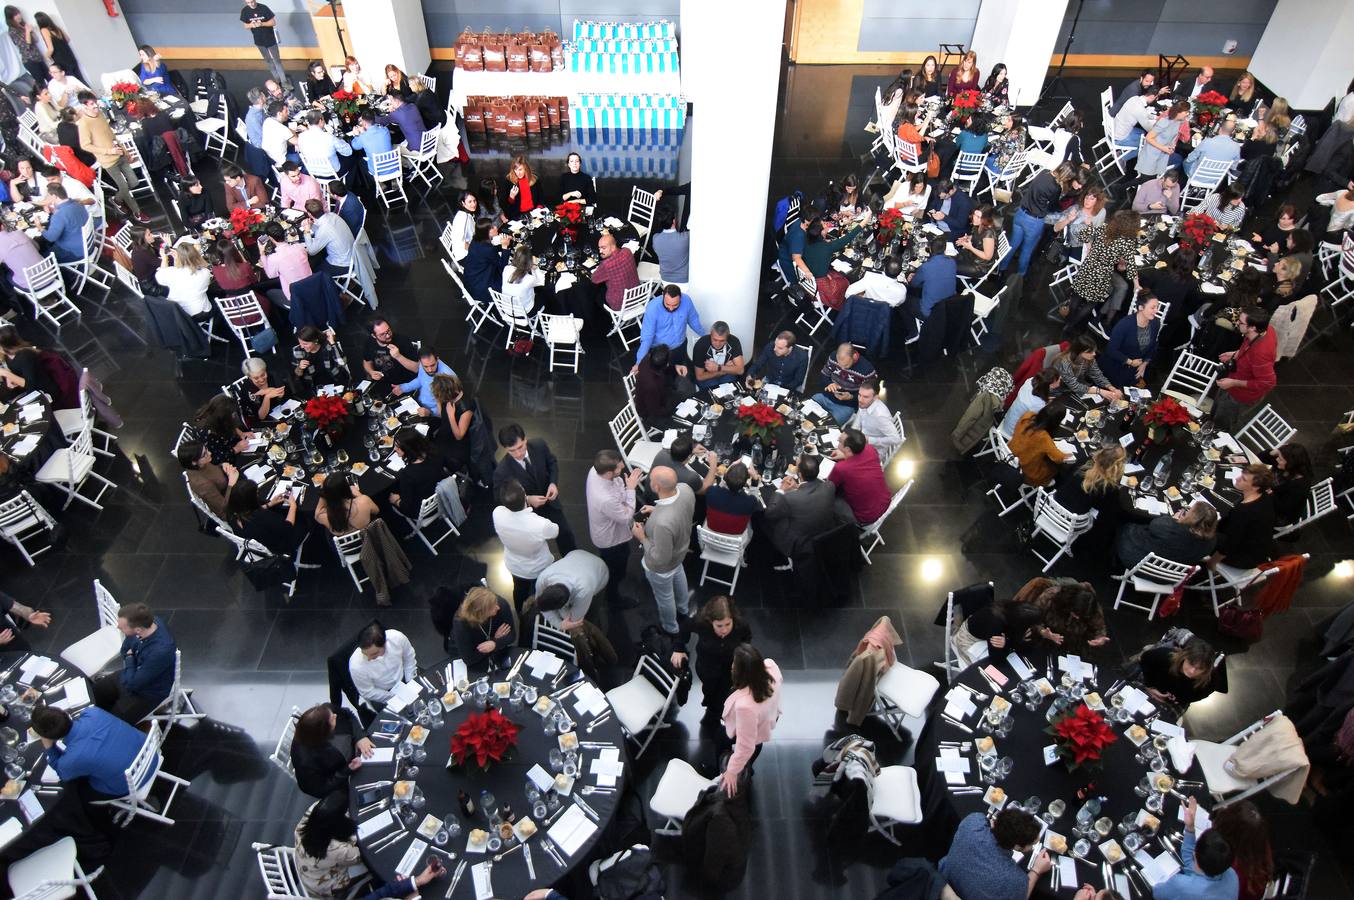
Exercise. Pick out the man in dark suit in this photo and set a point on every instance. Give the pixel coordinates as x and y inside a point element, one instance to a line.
<point>243,190</point>
<point>532,464</point>
<point>803,510</point>
<point>1140,85</point>
<point>1197,85</point>
<point>949,208</point>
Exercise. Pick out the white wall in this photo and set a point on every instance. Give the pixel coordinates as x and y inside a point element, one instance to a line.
<point>1304,54</point>
<point>102,43</point>
<point>388,31</point>
<point>1022,34</point>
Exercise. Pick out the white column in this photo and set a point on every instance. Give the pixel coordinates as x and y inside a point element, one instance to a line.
<point>730,71</point>
<point>388,31</point>
<point>102,43</point>
<point>1022,34</point>
<point>1304,53</point>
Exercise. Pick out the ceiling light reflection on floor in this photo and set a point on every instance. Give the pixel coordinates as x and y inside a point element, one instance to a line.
<point>1344,568</point>
<point>932,568</point>
<point>906,468</point>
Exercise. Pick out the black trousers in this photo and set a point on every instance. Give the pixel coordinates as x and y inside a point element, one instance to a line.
<point>110,697</point>
<point>617,559</point>
<point>555,513</point>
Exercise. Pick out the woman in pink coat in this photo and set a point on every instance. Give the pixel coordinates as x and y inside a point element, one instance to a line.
<point>751,712</point>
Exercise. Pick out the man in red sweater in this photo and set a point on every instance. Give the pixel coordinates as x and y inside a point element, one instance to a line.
<point>1252,375</point>
<point>859,477</point>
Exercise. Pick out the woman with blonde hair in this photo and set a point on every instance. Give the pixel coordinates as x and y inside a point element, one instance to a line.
<point>523,195</point>
<point>1097,485</point>
<point>1245,98</point>
<point>965,75</point>
<point>485,627</point>
<point>456,409</point>
<point>520,280</point>
<point>186,275</point>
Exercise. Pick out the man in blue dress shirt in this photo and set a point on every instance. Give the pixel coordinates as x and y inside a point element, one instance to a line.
<point>666,319</point>
<point>372,138</point>
<point>147,676</point>
<point>429,367</point>
<point>937,279</point>
<point>92,752</point>
<point>63,229</point>
<point>1206,871</point>
<point>407,117</point>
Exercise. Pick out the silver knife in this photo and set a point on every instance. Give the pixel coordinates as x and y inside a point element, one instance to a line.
<point>456,878</point>
<point>587,809</point>
<point>531,869</point>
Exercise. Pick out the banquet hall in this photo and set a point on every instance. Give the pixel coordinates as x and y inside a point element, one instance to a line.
<point>961,380</point>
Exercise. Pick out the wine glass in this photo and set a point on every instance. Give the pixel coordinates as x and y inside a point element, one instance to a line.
<point>1033,805</point>
<point>487,801</point>
<point>1005,767</point>
<point>1056,807</point>
<point>529,695</point>
<point>451,825</point>
<point>342,457</point>
<point>1103,826</point>
<point>1133,842</point>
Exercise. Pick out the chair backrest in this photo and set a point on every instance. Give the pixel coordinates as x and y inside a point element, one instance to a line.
<point>894,502</point>
<point>1055,519</point>
<point>318,167</point>
<point>451,270</point>
<point>906,150</point>
<point>555,640</point>
<point>386,166</point>
<point>626,429</point>
<point>636,298</point>
<point>559,325</point>
<point>106,605</point>
<point>1192,376</point>
<point>508,310</point>
<point>242,313</point>
<point>1321,500</point>
<point>1107,97</point>
<point>44,277</point>
<point>628,382</point>
<point>1266,431</point>
<point>1162,570</point>
<point>201,506</point>
<point>446,239</point>
<point>429,511</point>
<point>1062,114</point>
<point>427,145</point>
<point>21,511</point>
<point>428,81</point>
<point>657,673</point>
<point>280,875</point>
<point>887,457</point>
<point>1014,166</point>
<point>1163,307</point>
<point>1210,173</point>
<point>808,363</point>
<point>146,761</point>
<point>719,541</point>
<point>642,205</point>
<point>1003,248</point>
<point>282,752</point>
<point>349,545</point>
<point>968,165</point>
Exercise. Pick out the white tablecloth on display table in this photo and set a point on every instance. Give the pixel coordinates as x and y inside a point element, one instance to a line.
<point>558,84</point>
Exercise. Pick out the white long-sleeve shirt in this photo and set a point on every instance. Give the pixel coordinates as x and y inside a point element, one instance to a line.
<point>376,679</point>
<point>876,423</point>
<point>526,540</point>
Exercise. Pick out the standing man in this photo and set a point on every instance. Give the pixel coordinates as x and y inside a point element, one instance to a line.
<point>1252,370</point>
<point>666,538</point>
<point>525,537</point>
<point>537,469</point>
<point>147,676</point>
<point>566,588</point>
<point>261,21</point>
<point>96,139</point>
<point>611,512</point>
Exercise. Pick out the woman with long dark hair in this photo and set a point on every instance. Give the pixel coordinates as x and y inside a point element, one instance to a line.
<point>220,429</point>
<point>575,184</point>
<point>719,631</point>
<point>343,508</point>
<point>1033,446</point>
<point>1007,626</point>
<point>327,747</point>
<point>23,370</point>
<point>928,79</point>
<point>750,712</point>
<point>998,86</point>
<point>1248,836</point>
<point>978,248</point>
<point>1292,481</point>
<point>26,41</point>
<point>1181,675</point>
<point>58,45</point>
<point>326,848</point>
<point>254,520</point>
<point>456,408</point>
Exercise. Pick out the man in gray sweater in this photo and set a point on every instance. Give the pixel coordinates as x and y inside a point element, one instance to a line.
<point>666,537</point>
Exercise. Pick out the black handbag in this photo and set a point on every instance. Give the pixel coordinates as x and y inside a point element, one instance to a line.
<point>269,572</point>
<point>1056,252</point>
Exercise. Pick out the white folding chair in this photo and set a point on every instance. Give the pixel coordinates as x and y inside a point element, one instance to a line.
<point>448,241</point>
<point>893,799</point>
<point>516,318</point>
<point>808,361</point>
<point>245,317</point>
<point>146,770</point>
<point>1229,579</point>
<point>215,130</point>
<point>967,169</point>
<point>1265,432</point>
<point>967,599</point>
<point>561,333</point>
<point>1054,522</point>
<point>554,640</point>
<point>477,313</point>
<point>1042,135</point>
<point>889,451</point>
<point>1320,503</point>
<point>723,550</point>
<point>634,302</point>
<point>281,755</point>
<point>22,518</point>
<point>388,172</point>
<point>870,538</point>
<point>1155,576</point>
<point>349,548</point>
<point>51,873</point>
<point>1068,271</point>
<point>178,706</point>
<point>1191,380</point>
<point>677,792</point>
<point>1003,248</point>
<point>906,158</point>
<point>642,703</point>
<point>428,81</point>
<point>423,162</point>
<point>350,284</point>
<point>87,268</point>
<point>1163,308</point>
<point>319,168</point>
<point>640,215</point>
<point>281,877</point>
<point>47,293</point>
<point>1213,758</point>
<point>903,693</point>
<point>1208,176</point>
<point>72,467</point>
<point>1114,155</point>
<point>984,306</point>
<point>1001,451</point>
<point>429,514</point>
<point>817,315</point>
<point>1006,179</point>
<point>632,440</point>
<point>92,653</point>
<point>130,152</point>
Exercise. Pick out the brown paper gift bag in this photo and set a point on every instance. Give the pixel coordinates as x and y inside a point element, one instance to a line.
<point>557,53</point>
<point>474,115</point>
<point>540,58</point>
<point>552,111</point>
<point>532,109</point>
<point>517,121</point>
<point>500,117</point>
<point>495,53</point>
<point>519,52</point>
<point>469,56</point>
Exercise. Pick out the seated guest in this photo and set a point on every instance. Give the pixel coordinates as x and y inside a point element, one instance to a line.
<point>421,474</point>
<point>935,280</point>
<point>980,862</point>
<point>1072,618</point>
<point>1283,287</point>
<point>565,590</point>
<point>1205,866</point>
<point>405,114</point>
<point>420,386</point>
<point>1299,247</point>
<point>1181,675</point>
<point>316,361</point>
<point>297,187</point>
<point>950,208</point>
<point>666,320</point>
<point>342,507</point>
<point>521,192</point>
<point>1225,206</point>
<point>1133,343</point>
<point>68,135</point>
<point>1186,537</point>
<point>194,205</point>
<point>384,660</point>
<point>616,270</point>
<point>780,364</point>
<point>218,426</point>
<point>963,77</point>
<point>426,102</point>
<point>484,628</point>
<point>489,206</point>
<point>1075,224</point>
<point>717,357</point>
<point>1246,531</point>
<point>1008,625</point>
<point>324,232</point>
<point>329,745</point>
<point>1175,283</point>
<point>92,752</point>
<point>255,520</point>
<point>321,146</point>
<point>1220,147</point>
<point>372,138</point>
<point>1096,486</point>
<point>883,287</point>
<point>17,252</point>
<point>843,374</point>
<point>873,419</point>
<point>463,225</point>
<point>283,259</point>
<point>154,74</point>
<point>484,261</point>
<point>575,184</point>
<point>65,88</point>
<point>1272,240</point>
<point>208,481</point>
<point>355,81</point>
<point>671,245</point>
<point>978,248</point>
<point>184,273</point>
<point>278,141</point>
<point>318,82</point>
<point>327,856</point>
<point>819,248</point>
<point>452,442</point>
<point>1292,481</point>
<point>47,114</point>
<point>1133,120</point>
<point>63,230</point>
<point>231,274</point>
<point>654,386</point>
<point>801,510</point>
<point>1247,833</point>
<point>790,251</point>
<point>255,116</point>
<point>1160,196</point>
<point>147,676</point>
<point>1341,205</point>
<point>397,83</point>
<point>728,507</point>
<point>1078,372</point>
<point>1033,446</point>
<point>859,478</point>
<point>1033,396</point>
<point>676,457</point>
<point>387,355</point>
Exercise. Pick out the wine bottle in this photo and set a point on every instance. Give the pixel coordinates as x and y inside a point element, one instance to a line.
<point>467,805</point>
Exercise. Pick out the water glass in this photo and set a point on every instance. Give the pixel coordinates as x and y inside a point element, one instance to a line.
<point>1033,805</point>
<point>8,694</point>
<point>987,767</point>
<point>529,695</point>
<point>1005,767</point>
<point>1144,788</point>
<point>1129,823</point>
<point>495,844</point>
<point>14,771</point>
<point>1103,826</point>
<point>451,825</point>
<point>441,837</point>
<point>539,810</point>
<point>515,698</point>
<point>556,760</point>
<point>1155,803</point>
<point>571,766</point>
<point>1056,808</point>
<point>1081,848</point>
<point>488,803</point>
<point>1133,842</point>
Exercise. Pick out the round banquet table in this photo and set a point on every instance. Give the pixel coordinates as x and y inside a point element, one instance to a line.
<point>1116,780</point>
<point>577,257</point>
<point>505,780</point>
<point>24,418</point>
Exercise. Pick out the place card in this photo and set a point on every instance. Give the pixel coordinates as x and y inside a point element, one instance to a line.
<point>411,858</point>
<point>376,823</point>
<point>31,806</point>
<point>404,695</point>
<point>407,406</point>
<point>1019,666</point>
<point>1170,729</point>
<point>380,756</point>
<point>540,777</point>
<point>257,473</point>
<point>76,695</point>
<point>1066,447</point>
<point>1156,869</point>
<point>955,763</point>
<point>668,437</point>
<point>1050,754</point>
<point>687,408</point>
<point>1067,870</point>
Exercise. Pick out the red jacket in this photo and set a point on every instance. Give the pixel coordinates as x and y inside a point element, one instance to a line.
<point>1255,365</point>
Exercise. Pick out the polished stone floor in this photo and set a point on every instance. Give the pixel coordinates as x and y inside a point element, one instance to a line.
<point>252,658</point>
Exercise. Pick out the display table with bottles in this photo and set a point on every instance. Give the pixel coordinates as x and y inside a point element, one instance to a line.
<point>521,823</point>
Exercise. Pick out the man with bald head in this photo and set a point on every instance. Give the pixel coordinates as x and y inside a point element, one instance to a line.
<point>666,536</point>
<point>616,270</point>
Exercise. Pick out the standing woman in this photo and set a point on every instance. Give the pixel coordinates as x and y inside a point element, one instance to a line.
<point>456,409</point>
<point>154,74</point>
<point>1159,142</point>
<point>997,86</point>
<point>26,41</point>
<point>928,79</point>
<point>576,184</point>
<point>58,45</point>
<point>965,75</point>
<point>1041,200</point>
<point>891,98</point>
<point>1107,274</point>
<point>719,632</point>
<point>522,193</point>
<point>750,712</point>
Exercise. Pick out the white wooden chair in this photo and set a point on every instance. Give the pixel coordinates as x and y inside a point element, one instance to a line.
<point>554,640</point>
<point>178,706</point>
<point>632,440</point>
<point>429,514</point>
<point>1003,249</point>
<point>1265,432</point>
<point>95,651</point>
<point>642,703</point>
<point>423,161</point>
<point>727,550</point>
<point>349,549</point>
<point>1320,503</point>
<point>562,333</point>
<point>967,169</point>
<point>640,215</point>
<point>51,873</point>
<point>870,538</point>
<point>906,158</point>
<point>388,173</point>
<point>1191,380</point>
<point>282,878</point>
<point>983,307</point>
<point>321,169</point>
<point>1227,788</point>
<point>1228,580</point>
<point>87,270</point>
<point>47,293</point>
<point>634,302</point>
<point>514,317</point>
<point>889,451</point>
<point>1001,452</point>
<point>281,755</point>
<point>959,605</point>
<point>477,313</point>
<point>1155,576</point>
<point>71,468</point>
<point>70,421</point>
<point>817,315</point>
<point>146,770</point>
<point>23,519</point>
<point>215,130</point>
<point>245,318</point>
<point>1006,179</point>
<point>1061,527</point>
<point>1208,176</point>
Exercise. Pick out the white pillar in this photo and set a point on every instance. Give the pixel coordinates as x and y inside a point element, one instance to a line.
<point>102,43</point>
<point>730,71</point>
<point>388,31</point>
<point>1304,53</point>
<point>1022,34</point>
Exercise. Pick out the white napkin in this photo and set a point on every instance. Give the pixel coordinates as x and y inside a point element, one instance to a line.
<point>1152,506</point>
<point>841,265</point>
<point>1182,754</point>
<point>1209,287</point>
<point>950,249</point>
<point>10,830</point>
<point>480,874</point>
<point>608,766</point>
<point>775,391</point>
<point>589,700</point>
<point>572,830</point>
<point>932,228</point>
<point>422,428</point>
<point>1156,869</point>
<point>395,462</point>
<point>1067,447</point>
<point>77,694</point>
<point>25,445</point>
<point>540,777</point>
<point>543,663</point>
<point>411,857</point>
<point>36,667</point>
<point>950,757</point>
<point>257,473</point>
<point>810,407</point>
<point>668,437</point>
<point>612,222</point>
<point>49,775</point>
<point>380,755</point>
<point>31,412</point>
<point>403,696</point>
<point>723,391</point>
<point>632,245</point>
<point>565,281</point>
<point>408,406</point>
<point>31,806</point>
<point>825,465</point>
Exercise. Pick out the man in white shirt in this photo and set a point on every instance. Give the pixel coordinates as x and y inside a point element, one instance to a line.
<point>611,511</point>
<point>1202,82</point>
<point>1134,119</point>
<point>328,234</point>
<point>277,137</point>
<point>565,590</point>
<point>317,144</point>
<point>1220,146</point>
<point>874,420</point>
<point>886,288</point>
<point>384,660</point>
<point>526,539</point>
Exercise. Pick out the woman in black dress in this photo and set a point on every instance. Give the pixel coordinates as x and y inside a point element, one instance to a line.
<point>575,184</point>
<point>1180,675</point>
<point>318,82</point>
<point>718,631</point>
<point>326,744</point>
<point>1292,481</point>
<point>58,45</point>
<point>254,520</point>
<point>220,429</point>
<point>455,412</point>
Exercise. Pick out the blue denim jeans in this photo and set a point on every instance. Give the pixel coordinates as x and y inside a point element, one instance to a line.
<point>838,410</point>
<point>1131,142</point>
<point>670,595</point>
<point>1025,236</point>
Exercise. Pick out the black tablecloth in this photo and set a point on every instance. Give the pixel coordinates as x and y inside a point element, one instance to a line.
<point>506,780</point>
<point>51,437</point>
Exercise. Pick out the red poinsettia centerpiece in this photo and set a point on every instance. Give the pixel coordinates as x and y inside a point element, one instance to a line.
<point>1207,107</point>
<point>892,224</point>
<point>1081,735</point>
<point>967,101</point>
<point>345,104</point>
<point>484,738</point>
<point>124,91</point>
<point>327,413</point>
<point>1164,419</point>
<point>758,419</point>
<point>570,215</point>
<point>1197,230</point>
<point>246,223</point>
